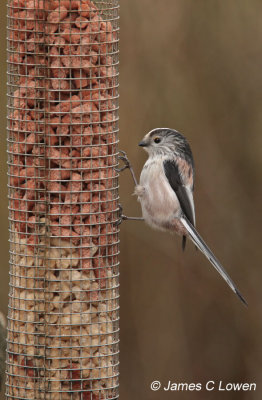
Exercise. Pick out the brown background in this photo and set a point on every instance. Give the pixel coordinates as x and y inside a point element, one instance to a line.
<point>194,66</point>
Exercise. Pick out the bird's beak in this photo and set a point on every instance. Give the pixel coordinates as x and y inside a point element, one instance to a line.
<point>143,143</point>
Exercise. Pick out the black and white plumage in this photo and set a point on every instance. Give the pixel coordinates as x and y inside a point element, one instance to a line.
<point>165,191</point>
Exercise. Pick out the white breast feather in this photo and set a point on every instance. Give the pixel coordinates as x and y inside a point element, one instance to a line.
<point>158,200</point>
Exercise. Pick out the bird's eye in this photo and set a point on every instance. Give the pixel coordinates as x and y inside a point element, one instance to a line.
<point>157,140</point>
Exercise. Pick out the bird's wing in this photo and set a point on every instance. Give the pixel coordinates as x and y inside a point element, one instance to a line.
<point>183,193</point>
<point>199,242</point>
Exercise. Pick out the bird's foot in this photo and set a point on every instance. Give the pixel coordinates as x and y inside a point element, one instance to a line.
<point>123,157</point>
<point>127,165</point>
<point>123,217</point>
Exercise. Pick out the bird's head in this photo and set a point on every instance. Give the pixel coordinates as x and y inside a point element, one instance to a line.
<point>165,141</point>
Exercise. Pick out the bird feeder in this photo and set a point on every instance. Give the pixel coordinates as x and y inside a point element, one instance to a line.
<point>63,318</point>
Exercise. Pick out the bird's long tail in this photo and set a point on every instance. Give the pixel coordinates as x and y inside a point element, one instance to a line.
<point>199,242</point>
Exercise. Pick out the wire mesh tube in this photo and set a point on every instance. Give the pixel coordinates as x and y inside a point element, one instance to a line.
<point>63,317</point>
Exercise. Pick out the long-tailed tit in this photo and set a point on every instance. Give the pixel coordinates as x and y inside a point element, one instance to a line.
<point>165,190</point>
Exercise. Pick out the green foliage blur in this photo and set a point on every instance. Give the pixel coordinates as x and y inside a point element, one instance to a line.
<point>194,66</point>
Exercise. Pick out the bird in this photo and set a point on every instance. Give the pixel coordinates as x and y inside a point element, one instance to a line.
<point>165,191</point>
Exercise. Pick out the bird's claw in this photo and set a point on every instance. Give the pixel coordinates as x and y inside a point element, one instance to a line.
<point>121,219</point>
<point>121,216</point>
<point>123,157</point>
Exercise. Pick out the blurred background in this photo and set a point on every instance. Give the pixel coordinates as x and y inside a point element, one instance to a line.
<point>194,66</point>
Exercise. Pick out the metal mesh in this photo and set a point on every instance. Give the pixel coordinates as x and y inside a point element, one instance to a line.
<point>63,199</point>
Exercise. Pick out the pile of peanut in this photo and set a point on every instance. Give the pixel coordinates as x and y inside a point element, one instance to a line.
<point>63,198</point>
